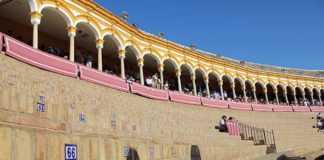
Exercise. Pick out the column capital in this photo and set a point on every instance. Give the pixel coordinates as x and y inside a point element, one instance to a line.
<point>140,62</point>
<point>121,54</point>
<point>206,80</point>
<point>35,17</point>
<point>99,43</point>
<point>243,87</point>
<point>193,76</point>
<point>71,31</point>
<point>265,90</point>
<point>220,82</point>
<point>161,67</point>
<point>178,72</point>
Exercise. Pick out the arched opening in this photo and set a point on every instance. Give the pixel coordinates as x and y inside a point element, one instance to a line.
<point>186,82</point>
<point>238,90</point>
<point>169,74</point>
<point>299,96</point>
<point>316,97</point>
<point>200,84</point>
<point>15,16</point>
<point>150,70</point>
<point>131,67</point>
<point>227,88</point>
<point>271,94</point>
<point>249,91</point>
<point>195,153</point>
<point>214,86</point>
<point>110,57</point>
<point>281,95</point>
<point>133,154</point>
<point>290,95</point>
<point>259,90</point>
<point>308,96</point>
<point>85,41</point>
<point>54,38</point>
<point>322,96</point>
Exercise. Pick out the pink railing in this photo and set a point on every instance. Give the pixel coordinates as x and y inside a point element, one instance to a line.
<point>149,92</point>
<point>301,109</point>
<point>282,108</point>
<point>184,98</point>
<point>233,128</point>
<point>214,103</point>
<point>261,108</point>
<point>27,54</point>
<point>1,41</point>
<point>101,78</point>
<point>317,108</point>
<point>240,106</point>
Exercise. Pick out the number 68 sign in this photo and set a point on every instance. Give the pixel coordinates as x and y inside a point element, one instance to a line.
<point>71,152</point>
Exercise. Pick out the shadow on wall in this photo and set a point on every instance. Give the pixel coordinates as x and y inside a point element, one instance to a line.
<point>195,153</point>
<point>133,155</point>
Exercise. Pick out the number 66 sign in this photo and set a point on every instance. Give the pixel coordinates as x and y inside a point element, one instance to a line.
<point>71,152</point>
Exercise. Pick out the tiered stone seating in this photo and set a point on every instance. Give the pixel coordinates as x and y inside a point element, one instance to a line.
<point>116,119</point>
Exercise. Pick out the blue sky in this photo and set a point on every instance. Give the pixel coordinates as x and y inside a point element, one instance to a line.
<point>288,33</point>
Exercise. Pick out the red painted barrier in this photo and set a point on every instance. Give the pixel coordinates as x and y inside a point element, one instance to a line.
<point>214,103</point>
<point>240,106</point>
<point>262,108</point>
<point>282,108</point>
<point>27,54</point>
<point>1,41</point>
<point>301,109</point>
<point>149,92</point>
<point>317,108</point>
<point>101,78</point>
<point>184,98</point>
<point>232,128</point>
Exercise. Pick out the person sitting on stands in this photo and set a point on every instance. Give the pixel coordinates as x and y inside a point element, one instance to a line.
<point>154,81</point>
<point>222,124</point>
<point>166,85</point>
<point>89,60</point>
<point>225,95</point>
<point>149,81</point>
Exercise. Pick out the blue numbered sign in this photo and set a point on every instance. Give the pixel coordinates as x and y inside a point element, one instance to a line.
<point>71,152</point>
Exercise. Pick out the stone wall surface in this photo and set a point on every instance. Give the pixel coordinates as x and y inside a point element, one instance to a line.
<point>115,120</point>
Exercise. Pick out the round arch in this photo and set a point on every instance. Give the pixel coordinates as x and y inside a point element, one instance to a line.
<point>200,84</point>
<point>214,85</point>
<point>259,90</point>
<point>281,96</point>
<point>238,83</point>
<point>227,86</point>
<point>271,92</point>
<point>290,94</point>
<point>60,10</point>
<point>115,39</point>
<point>92,26</point>
<point>186,82</point>
<point>33,5</point>
<point>169,73</point>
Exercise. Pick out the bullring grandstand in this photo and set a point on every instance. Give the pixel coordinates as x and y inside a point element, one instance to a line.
<point>78,82</point>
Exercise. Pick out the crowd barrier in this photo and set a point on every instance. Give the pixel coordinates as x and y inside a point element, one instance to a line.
<point>149,92</point>
<point>101,78</point>
<point>316,109</point>
<point>29,55</point>
<point>301,109</point>
<point>37,58</point>
<point>184,98</point>
<point>262,108</point>
<point>233,128</point>
<point>214,103</point>
<point>281,108</point>
<point>239,106</point>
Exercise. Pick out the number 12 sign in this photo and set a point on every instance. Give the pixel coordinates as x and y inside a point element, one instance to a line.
<point>71,152</point>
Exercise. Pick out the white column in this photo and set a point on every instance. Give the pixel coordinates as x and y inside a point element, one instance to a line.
<point>35,21</point>
<point>277,99</point>
<point>99,43</point>
<point>193,78</point>
<point>206,80</point>
<point>140,65</point>
<point>178,73</point>
<point>121,55</point>
<point>220,83</point>
<point>254,94</point>
<point>233,90</point>
<point>161,69</point>
<point>71,34</point>
<point>244,93</point>
<point>266,95</point>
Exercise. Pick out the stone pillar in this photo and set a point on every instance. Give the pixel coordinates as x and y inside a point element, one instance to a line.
<point>161,69</point>
<point>233,90</point>
<point>193,78</point>
<point>206,80</point>
<point>140,63</point>
<point>220,83</point>
<point>244,93</point>
<point>99,44</point>
<point>277,99</point>
<point>254,95</point>
<point>178,73</point>
<point>71,34</point>
<point>121,55</point>
<point>35,21</point>
<point>286,97</point>
<point>266,95</point>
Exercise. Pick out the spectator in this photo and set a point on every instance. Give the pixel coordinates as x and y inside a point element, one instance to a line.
<point>149,81</point>
<point>222,124</point>
<point>166,85</point>
<point>89,60</point>
<point>319,115</point>
<point>155,81</point>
